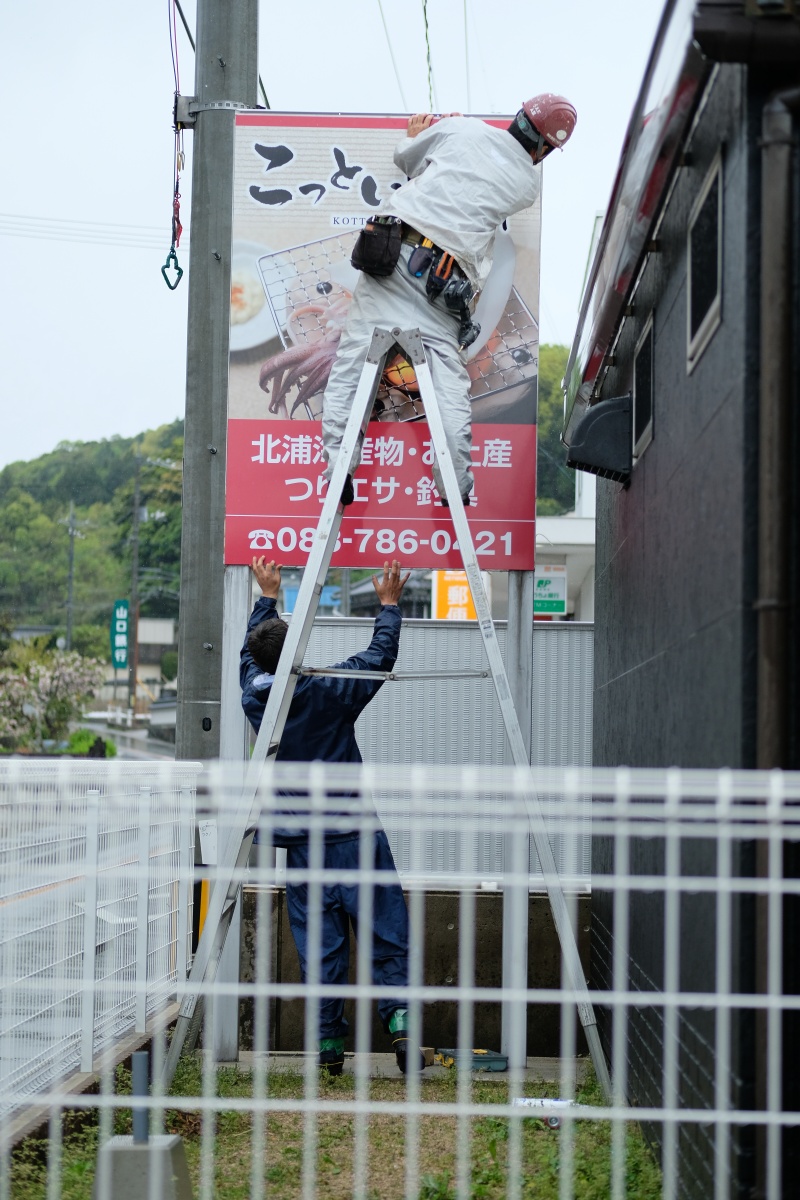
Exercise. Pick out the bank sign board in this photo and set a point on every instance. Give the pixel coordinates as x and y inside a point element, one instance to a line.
<point>119,635</point>
<point>550,591</point>
<point>304,186</point>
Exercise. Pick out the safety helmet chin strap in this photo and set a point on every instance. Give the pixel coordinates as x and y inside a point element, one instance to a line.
<point>529,137</point>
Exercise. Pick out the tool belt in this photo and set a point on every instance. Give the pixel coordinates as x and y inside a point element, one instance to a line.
<point>444,278</point>
<point>377,252</point>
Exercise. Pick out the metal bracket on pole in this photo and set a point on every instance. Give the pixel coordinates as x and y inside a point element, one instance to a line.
<point>187,108</point>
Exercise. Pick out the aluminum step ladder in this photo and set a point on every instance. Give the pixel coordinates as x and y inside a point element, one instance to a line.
<point>234,853</point>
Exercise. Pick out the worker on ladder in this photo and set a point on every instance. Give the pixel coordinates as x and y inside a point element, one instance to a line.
<point>321,727</point>
<point>426,255</point>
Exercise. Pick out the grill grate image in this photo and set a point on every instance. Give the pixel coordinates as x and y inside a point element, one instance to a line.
<point>308,290</point>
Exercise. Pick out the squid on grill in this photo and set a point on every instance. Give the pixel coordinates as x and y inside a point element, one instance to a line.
<point>307,364</point>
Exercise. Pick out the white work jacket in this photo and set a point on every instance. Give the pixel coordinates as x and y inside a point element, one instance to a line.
<point>465,179</point>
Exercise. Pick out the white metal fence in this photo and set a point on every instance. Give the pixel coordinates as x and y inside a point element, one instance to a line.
<point>95,910</point>
<point>695,891</point>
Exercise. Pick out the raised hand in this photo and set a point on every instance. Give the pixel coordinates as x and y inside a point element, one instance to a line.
<point>390,587</point>
<point>268,576</point>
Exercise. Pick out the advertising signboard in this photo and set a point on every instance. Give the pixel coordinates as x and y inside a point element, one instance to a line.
<point>119,635</point>
<point>550,591</point>
<point>304,185</point>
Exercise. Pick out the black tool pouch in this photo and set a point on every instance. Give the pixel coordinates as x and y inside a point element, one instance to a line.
<point>377,248</point>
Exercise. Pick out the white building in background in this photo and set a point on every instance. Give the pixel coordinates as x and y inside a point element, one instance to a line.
<point>568,541</point>
<point>156,636</point>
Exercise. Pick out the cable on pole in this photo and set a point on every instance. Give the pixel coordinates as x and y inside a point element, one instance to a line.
<point>179,158</point>
<point>185,23</point>
<point>191,43</point>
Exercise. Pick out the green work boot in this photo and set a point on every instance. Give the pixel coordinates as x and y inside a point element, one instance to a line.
<point>400,1043</point>
<point>331,1055</point>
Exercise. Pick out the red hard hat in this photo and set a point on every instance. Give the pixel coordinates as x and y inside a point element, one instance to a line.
<point>551,116</point>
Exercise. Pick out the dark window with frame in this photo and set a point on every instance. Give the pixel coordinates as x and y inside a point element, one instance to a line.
<point>643,391</point>
<point>704,307</point>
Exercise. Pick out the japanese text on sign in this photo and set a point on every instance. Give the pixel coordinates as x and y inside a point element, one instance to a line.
<point>119,635</point>
<point>396,508</point>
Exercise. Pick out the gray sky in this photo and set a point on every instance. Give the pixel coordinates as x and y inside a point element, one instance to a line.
<point>92,343</point>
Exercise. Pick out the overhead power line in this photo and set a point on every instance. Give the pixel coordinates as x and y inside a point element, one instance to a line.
<point>431,106</point>
<point>466,58</point>
<point>139,237</point>
<point>394,61</point>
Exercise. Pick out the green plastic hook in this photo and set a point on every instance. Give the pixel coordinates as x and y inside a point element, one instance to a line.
<point>172,261</point>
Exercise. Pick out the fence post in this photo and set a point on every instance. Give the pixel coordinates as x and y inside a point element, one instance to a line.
<point>185,875</point>
<point>142,909</point>
<point>516,848</point>
<point>91,860</point>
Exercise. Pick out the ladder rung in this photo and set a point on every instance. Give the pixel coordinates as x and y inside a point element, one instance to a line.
<point>392,676</point>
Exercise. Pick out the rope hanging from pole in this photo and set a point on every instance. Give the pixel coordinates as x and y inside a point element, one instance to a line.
<point>179,159</point>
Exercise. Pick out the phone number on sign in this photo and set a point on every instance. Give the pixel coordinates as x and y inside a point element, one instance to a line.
<point>381,541</point>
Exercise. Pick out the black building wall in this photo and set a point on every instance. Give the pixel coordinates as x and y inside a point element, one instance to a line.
<point>675,630</point>
<point>676,550</point>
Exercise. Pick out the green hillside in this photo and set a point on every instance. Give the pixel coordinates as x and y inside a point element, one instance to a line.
<point>98,477</point>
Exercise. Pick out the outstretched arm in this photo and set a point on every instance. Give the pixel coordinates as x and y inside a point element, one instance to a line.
<point>422,134</point>
<point>381,653</point>
<point>268,576</point>
<point>420,121</point>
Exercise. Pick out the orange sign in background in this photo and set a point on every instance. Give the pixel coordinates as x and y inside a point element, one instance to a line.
<point>451,599</point>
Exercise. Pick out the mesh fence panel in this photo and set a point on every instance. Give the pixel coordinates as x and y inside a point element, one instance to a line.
<point>695,888</point>
<point>95,887</point>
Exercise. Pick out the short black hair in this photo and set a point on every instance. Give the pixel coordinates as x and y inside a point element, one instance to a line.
<point>266,642</point>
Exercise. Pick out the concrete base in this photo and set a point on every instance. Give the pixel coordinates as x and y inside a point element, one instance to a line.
<point>384,1066</point>
<point>125,1169</point>
<point>440,969</point>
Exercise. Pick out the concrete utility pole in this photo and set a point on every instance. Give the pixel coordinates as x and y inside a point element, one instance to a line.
<point>226,70</point>
<point>133,612</point>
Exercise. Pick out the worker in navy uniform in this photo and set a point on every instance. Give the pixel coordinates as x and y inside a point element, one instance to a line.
<point>465,178</point>
<point>321,727</point>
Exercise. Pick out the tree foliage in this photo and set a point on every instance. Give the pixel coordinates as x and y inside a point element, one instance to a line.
<point>98,477</point>
<point>42,691</point>
<point>555,488</point>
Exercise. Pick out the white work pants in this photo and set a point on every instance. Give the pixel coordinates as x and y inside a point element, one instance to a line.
<point>399,301</point>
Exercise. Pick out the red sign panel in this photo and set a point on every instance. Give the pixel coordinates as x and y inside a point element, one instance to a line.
<point>276,490</point>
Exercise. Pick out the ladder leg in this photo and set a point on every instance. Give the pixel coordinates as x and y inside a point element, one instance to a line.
<point>238,839</point>
<point>411,343</point>
<point>316,568</point>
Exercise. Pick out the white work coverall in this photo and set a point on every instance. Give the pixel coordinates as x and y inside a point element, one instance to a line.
<point>465,178</point>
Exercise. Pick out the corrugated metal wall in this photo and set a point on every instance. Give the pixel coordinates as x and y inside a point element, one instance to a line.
<point>459,721</point>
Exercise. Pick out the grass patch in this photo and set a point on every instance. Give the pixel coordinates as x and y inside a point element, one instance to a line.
<point>283,1159</point>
